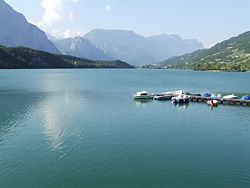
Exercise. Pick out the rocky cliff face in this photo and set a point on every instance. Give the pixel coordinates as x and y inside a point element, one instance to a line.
<point>81,47</point>
<point>16,31</point>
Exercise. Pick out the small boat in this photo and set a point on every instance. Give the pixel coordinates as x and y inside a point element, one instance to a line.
<point>230,97</point>
<point>168,93</point>
<point>206,95</point>
<point>181,99</point>
<point>142,95</point>
<point>245,97</point>
<point>213,102</point>
<point>180,92</point>
<point>163,97</point>
<point>216,96</point>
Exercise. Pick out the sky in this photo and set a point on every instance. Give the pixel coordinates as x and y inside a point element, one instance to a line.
<point>209,21</point>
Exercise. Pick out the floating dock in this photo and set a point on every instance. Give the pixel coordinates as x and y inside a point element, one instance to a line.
<point>238,102</point>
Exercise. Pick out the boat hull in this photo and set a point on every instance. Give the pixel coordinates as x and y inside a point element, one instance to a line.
<point>185,100</point>
<point>162,98</point>
<point>143,97</point>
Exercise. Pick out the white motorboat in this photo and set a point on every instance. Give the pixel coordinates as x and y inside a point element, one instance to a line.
<point>181,99</point>
<point>230,97</point>
<point>213,102</point>
<point>142,95</point>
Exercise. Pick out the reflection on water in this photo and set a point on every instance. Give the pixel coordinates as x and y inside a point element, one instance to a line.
<point>142,102</point>
<point>16,107</point>
<point>58,115</point>
<point>53,126</point>
<point>181,106</point>
<point>212,107</point>
<point>145,102</point>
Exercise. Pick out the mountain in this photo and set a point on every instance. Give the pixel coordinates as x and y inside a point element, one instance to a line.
<point>121,44</point>
<point>229,55</point>
<point>16,31</point>
<point>164,46</point>
<point>25,58</point>
<point>138,50</point>
<point>81,47</point>
<point>51,37</point>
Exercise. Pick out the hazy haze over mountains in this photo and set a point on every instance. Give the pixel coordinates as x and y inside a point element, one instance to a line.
<point>165,46</point>
<point>126,46</point>
<point>16,31</point>
<point>136,49</point>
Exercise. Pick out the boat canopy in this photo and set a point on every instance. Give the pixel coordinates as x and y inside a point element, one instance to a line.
<point>245,98</point>
<point>206,95</point>
<point>142,92</point>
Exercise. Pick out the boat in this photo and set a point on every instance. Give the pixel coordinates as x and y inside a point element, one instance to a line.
<point>181,106</point>
<point>175,93</point>
<point>168,93</point>
<point>232,96</point>
<point>181,99</point>
<point>163,97</point>
<point>142,95</point>
<point>213,102</point>
<point>206,95</point>
<point>196,94</point>
<point>245,97</point>
<point>179,92</point>
<point>181,96</point>
<point>216,96</point>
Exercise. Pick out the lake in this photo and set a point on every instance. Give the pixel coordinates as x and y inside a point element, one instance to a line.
<point>81,128</point>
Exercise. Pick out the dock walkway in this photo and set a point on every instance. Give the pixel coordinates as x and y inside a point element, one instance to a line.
<point>239,102</point>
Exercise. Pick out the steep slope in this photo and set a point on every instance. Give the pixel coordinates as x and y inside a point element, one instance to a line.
<point>138,50</point>
<point>80,47</point>
<point>16,31</point>
<point>229,55</point>
<point>25,58</point>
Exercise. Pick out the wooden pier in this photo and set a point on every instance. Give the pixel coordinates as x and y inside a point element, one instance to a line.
<point>238,102</point>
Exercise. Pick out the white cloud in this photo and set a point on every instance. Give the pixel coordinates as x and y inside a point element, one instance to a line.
<point>108,7</point>
<point>58,14</point>
<point>70,33</point>
<point>57,10</point>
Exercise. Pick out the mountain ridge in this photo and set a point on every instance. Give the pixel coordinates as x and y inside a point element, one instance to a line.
<point>229,55</point>
<point>27,58</point>
<point>137,49</point>
<point>17,31</point>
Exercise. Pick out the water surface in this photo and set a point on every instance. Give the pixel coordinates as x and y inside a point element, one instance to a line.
<point>80,128</point>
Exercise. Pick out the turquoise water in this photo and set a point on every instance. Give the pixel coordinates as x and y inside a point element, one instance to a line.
<point>80,128</point>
